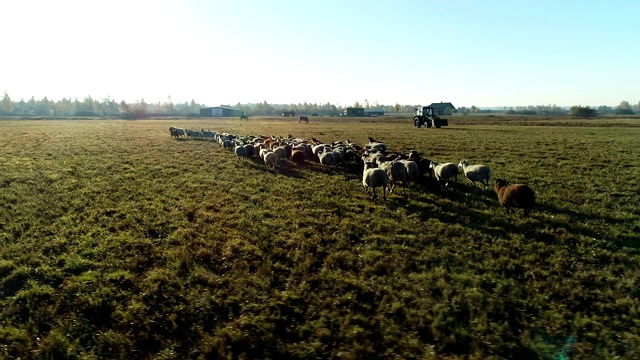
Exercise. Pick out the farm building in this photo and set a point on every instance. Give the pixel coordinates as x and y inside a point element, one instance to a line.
<point>443,108</point>
<point>353,112</point>
<point>220,112</point>
<point>373,112</point>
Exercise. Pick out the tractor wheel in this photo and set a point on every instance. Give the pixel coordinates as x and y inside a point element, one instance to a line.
<point>416,121</point>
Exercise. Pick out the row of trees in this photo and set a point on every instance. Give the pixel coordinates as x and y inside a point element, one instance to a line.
<point>623,109</point>
<point>109,107</point>
<point>326,109</point>
<point>93,107</point>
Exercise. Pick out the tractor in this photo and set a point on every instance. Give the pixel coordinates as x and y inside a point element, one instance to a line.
<point>427,117</point>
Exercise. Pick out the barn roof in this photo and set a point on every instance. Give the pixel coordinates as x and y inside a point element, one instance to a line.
<point>220,107</point>
<point>442,106</point>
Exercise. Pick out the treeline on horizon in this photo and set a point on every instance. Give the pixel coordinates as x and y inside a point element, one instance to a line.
<point>110,107</point>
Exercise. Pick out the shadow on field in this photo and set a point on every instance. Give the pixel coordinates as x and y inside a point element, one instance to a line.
<point>285,169</point>
<point>551,209</point>
<point>458,204</point>
<point>463,193</point>
<point>470,218</point>
<point>575,226</point>
<point>540,226</point>
<point>345,169</point>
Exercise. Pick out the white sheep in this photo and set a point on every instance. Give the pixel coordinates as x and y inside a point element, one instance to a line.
<point>281,152</point>
<point>373,178</point>
<point>444,171</point>
<point>317,149</point>
<point>481,173</point>
<point>327,158</point>
<point>375,157</point>
<point>382,147</point>
<point>413,172</point>
<point>263,153</point>
<point>396,173</point>
<point>376,145</point>
<point>271,160</point>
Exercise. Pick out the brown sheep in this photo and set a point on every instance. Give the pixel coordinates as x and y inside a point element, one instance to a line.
<point>518,196</point>
<point>297,157</point>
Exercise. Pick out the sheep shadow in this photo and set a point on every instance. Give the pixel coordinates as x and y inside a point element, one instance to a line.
<point>459,214</point>
<point>577,218</point>
<point>460,192</point>
<point>462,198</point>
<point>344,169</point>
<point>283,168</point>
<point>287,169</point>
<point>552,209</point>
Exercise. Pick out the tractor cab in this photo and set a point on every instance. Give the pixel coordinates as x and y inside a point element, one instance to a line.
<point>425,111</point>
<point>426,116</point>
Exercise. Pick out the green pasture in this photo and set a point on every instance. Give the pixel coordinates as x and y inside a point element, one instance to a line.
<point>119,242</point>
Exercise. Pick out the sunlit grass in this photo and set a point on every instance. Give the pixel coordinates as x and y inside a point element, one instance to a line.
<point>117,241</point>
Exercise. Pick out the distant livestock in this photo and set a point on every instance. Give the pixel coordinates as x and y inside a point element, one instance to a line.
<point>304,118</point>
<point>519,196</point>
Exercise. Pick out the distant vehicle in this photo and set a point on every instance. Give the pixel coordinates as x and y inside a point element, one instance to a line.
<point>361,112</point>
<point>427,117</point>
<point>353,112</point>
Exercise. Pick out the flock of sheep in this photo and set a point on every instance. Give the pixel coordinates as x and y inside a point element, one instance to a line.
<point>381,168</point>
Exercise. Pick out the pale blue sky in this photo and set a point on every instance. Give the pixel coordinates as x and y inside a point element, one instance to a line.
<point>483,53</point>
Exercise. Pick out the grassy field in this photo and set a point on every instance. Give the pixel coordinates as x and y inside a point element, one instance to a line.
<point>117,241</point>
